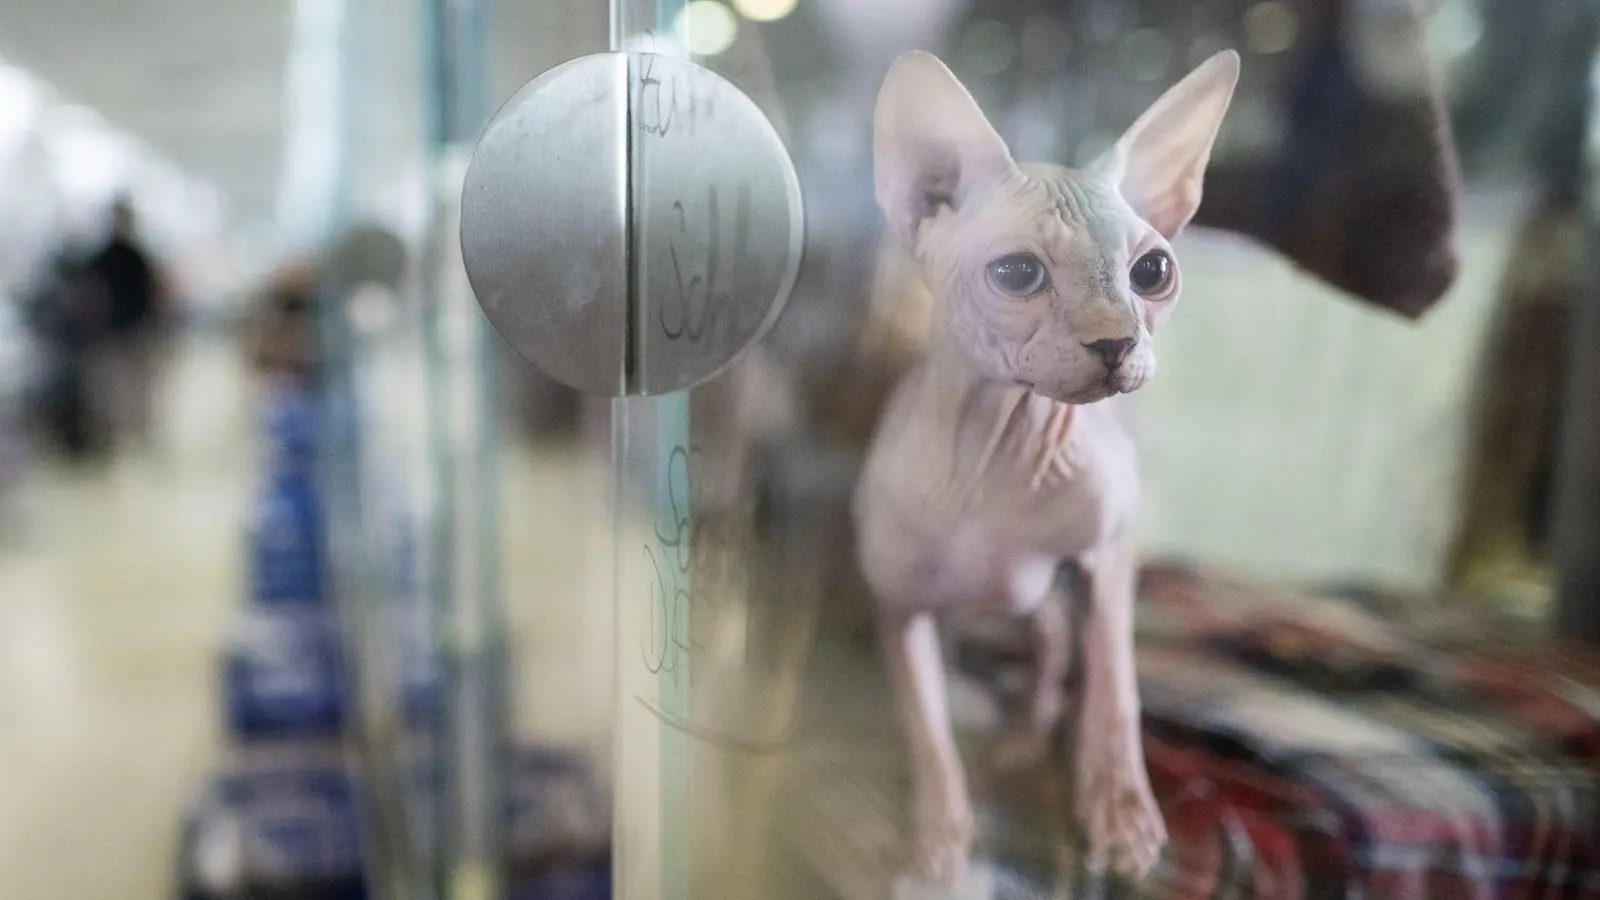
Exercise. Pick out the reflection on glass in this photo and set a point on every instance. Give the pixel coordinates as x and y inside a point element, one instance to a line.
<point>1270,27</point>
<point>705,27</point>
<point>19,105</point>
<point>765,10</point>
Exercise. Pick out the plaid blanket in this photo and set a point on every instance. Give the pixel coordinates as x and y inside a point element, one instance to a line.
<point>1302,748</point>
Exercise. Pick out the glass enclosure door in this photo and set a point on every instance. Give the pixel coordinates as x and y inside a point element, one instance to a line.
<point>1342,248</point>
<point>706,676</point>
<point>759,749</point>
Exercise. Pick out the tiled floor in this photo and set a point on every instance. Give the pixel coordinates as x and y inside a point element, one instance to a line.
<point>114,584</point>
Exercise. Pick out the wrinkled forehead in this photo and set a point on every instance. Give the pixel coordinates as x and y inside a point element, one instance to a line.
<point>1054,211</point>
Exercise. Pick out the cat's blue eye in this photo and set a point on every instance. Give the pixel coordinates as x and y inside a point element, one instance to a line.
<point>1019,274</point>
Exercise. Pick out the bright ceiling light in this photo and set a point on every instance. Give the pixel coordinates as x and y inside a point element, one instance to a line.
<point>764,10</point>
<point>706,27</point>
<point>1457,28</point>
<point>90,160</point>
<point>1270,27</point>
<point>19,105</point>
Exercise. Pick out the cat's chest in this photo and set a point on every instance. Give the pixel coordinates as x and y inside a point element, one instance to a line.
<point>1053,478</point>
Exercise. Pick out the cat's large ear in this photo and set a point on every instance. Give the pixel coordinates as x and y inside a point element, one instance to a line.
<point>931,144</point>
<point>1159,164</point>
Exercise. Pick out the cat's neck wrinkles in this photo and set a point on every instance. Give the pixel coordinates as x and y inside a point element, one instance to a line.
<point>1010,422</point>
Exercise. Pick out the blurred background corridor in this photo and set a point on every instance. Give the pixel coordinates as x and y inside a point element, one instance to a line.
<point>126,548</point>
<point>117,583</point>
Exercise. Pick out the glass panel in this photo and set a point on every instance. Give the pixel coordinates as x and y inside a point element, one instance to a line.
<point>1311,429</point>
<point>371,438</point>
<point>705,659</point>
<point>653,532</point>
<point>465,363</point>
<point>554,546</point>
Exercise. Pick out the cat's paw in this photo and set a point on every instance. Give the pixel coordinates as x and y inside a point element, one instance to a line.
<point>1124,826</point>
<point>942,845</point>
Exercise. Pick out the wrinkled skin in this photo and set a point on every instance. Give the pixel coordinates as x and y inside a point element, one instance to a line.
<point>1004,454</point>
<point>1079,226</point>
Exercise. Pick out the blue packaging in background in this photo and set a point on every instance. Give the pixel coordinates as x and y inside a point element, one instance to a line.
<point>277,819</point>
<point>555,805</point>
<point>290,422</point>
<point>286,558</point>
<point>282,821</point>
<point>285,536</point>
<point>283,670</point>
<point>283,674</point>
<point>587,882</point>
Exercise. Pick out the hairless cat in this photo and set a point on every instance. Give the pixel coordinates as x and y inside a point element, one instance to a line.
<point>1004,454</point>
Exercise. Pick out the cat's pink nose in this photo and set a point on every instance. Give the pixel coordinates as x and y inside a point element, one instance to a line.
<point>1112,351</point>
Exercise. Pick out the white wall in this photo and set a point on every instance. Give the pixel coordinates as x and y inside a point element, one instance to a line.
<point>1297,434</point>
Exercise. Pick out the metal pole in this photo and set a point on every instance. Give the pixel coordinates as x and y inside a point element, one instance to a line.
<point>463,367</point>
<point>323,109</point>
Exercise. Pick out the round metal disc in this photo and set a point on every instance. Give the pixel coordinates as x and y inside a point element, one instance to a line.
<point>544,222</point>
<point>717,223</point>
<point>631,223</point>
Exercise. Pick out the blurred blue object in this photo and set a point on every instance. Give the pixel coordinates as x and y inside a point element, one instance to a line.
<point>287,551</point>
<point>277,819</point>
<point>589,882</point>
<point>286,548</point>
<point>284,668</point>
<point>290,421</point>
<point>282,821</point>
<point>283,674</point>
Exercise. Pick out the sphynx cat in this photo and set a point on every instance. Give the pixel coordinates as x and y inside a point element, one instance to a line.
<point>1004,454</point>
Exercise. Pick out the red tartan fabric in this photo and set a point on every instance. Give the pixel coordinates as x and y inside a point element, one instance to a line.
<point>1227,840</point>
<point>1304,749</point>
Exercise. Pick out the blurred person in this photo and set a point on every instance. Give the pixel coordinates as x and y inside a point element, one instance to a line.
<point>17,363</point>
<point>66,313</point>
<point>123,362</point>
